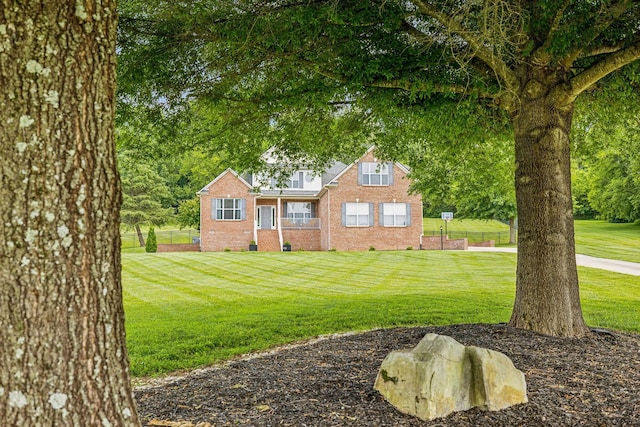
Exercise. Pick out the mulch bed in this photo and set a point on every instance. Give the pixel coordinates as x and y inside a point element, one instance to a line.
<point>593,381</point>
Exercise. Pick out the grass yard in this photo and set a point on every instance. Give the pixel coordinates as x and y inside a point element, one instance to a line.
<point>185,310</point>
<point>608,240</point>
<point>476,230</point>
<point>168,235</point>
<point>595,238</point>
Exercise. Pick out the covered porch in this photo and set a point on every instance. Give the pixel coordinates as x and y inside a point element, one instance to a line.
<point>286,219</point>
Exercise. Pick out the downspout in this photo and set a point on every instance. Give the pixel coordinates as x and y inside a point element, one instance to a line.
<point>328,219</point>
<point>255,220</point>
<point>200,242</point>
<point>279,222</point>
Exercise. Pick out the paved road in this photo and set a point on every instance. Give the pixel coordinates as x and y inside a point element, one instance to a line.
<point>624,267</point>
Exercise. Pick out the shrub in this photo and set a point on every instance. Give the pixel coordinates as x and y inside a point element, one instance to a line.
<point>152,243</point>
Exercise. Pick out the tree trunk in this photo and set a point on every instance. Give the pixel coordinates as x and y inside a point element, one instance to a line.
<point>140,236</point>
<point>512,230</point>
<point>64,361</point>
<point>547,294</point>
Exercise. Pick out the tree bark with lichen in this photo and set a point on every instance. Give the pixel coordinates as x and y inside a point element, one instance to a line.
<point>64,359</point>
<point>547,299</point>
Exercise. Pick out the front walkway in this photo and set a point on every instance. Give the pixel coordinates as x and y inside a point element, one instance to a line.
<point>624,267</point>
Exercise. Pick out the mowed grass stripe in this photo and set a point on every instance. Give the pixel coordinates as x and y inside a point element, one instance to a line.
<point>182,316</point>
<point>193,309</point>
<point>608,240</point>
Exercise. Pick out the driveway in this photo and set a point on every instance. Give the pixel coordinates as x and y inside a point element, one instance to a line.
<point>624,267</point>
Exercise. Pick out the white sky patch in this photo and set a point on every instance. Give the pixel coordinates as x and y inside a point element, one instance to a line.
<point>1,391</point>
<point>21,146</point>
<point>17,399</point>
<point>58,400</point>
<point>126,413</point>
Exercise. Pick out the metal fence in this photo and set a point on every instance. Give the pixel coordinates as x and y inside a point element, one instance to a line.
<point>130,240</point>
<point>500,237</point>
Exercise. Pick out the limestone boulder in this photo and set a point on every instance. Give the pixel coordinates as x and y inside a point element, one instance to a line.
<point>440,376</point>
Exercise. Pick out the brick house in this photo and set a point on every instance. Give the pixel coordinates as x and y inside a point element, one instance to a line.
<point>346,207</point>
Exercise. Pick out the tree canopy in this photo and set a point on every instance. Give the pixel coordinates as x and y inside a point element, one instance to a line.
<point>404,75</point>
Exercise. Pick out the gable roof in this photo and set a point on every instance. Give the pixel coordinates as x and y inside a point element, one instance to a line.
<point>205,189</point>
<point>329,176</point>
<point>334,170</point>
<point>404,168</point>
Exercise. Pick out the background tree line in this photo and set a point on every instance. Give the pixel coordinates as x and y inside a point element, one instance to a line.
<point>471,180</point>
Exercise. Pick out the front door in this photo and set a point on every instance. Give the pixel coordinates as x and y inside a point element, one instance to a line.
<point>266,217</point>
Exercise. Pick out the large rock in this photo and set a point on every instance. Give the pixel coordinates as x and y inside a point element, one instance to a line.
<point>440,376</point>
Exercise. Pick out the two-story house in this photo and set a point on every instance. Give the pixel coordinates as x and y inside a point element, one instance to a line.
<point>354,207</point>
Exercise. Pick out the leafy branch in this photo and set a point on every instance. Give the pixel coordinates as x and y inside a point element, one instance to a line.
<point>600,69</point>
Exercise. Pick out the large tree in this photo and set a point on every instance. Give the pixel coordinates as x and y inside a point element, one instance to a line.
<point>62,340</point>
<point>291,65</point>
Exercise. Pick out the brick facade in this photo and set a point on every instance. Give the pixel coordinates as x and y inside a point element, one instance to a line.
<point>377,236</point>
<point>179,247</point>
<point>328,232</point>
<point>437,242</point>
<point>218,235</point>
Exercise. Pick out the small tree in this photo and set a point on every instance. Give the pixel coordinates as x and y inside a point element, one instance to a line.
<point>189,213</point>
<point>152,244</point>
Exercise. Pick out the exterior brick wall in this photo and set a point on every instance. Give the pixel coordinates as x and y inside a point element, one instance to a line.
<point>218,235</point>
<point>323,215</point>
<point>268,241</point>
<point>344,238</point>
<point>179,247</point>
<point>485,244</point>
<point>434,242</point>
<point>308,240</point>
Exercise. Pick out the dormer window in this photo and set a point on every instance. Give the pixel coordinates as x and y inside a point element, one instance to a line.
<point>375,174</point>
<point>296,180</point>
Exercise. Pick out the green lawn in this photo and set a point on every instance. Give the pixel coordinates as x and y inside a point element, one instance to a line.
<point>596,238</point>
<point>185,310</point>
<point>168,234</point>
<point>476,230</point>
<point>607,240</point>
